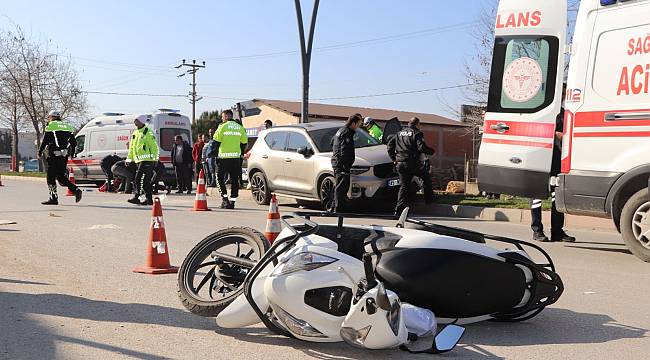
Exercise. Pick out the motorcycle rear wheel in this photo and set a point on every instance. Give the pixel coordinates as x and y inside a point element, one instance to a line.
<point>226,279</point>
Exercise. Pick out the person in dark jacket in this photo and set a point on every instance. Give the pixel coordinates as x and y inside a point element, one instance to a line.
<point>106,166</point>
<point>557,218</point>
<point>406,149</point>
<point>343,156</point>
<point>182,161</point>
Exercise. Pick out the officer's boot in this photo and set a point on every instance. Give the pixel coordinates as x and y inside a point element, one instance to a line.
<point>135,199</point>
<point>225,204</point>
<point>54,198</point>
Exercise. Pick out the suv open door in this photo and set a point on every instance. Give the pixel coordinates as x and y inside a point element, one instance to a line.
<point>525,97</point>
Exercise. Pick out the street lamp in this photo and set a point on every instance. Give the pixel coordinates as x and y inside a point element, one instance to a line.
<point>305,52</point>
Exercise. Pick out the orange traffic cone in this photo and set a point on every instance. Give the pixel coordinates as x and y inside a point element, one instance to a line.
<point>273,224</point>
<point>157,254</point>
<point>201,201</point>
<point>71,178</point>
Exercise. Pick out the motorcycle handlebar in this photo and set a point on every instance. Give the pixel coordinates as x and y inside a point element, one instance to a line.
<point>370,274</point>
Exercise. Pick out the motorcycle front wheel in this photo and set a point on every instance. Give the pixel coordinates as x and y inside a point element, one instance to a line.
<point>207,285</point>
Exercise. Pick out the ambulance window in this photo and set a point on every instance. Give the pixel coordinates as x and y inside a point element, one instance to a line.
<point>523,77</point>
<point>167,137</point>
<point>81,143</point>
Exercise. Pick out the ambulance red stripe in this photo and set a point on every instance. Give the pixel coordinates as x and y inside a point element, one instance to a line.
<point>519,128</point>
<point>597,118</point>
<point>517,143</point>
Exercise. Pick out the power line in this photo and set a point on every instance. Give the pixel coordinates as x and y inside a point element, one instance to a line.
<point>396,93</point>
<point>131,94</point>
<point>396,37</point>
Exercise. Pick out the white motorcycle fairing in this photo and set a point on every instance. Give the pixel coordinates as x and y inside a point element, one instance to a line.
<point>239,313</point>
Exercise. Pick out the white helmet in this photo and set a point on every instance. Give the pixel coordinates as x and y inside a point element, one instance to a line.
<point>367,121</point>
<point>375,321</point>
<point>54,113</point>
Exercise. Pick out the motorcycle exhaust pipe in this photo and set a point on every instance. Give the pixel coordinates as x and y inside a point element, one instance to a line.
<point>233,259</point>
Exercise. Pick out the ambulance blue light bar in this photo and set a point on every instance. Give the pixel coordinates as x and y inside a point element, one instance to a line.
<point>607,2</point>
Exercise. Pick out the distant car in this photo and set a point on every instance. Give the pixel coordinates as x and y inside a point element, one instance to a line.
<point>30,165</point>
<point>295,161</point>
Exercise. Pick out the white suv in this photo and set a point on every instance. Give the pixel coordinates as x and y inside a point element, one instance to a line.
<point>295,161</point>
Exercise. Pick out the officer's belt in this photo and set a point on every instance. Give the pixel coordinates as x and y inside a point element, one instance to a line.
<point>60,152</point>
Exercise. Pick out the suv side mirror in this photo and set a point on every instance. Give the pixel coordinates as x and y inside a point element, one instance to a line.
<point>305,151</point>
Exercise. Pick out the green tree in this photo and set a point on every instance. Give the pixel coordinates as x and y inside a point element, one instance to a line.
<point>206,121</point>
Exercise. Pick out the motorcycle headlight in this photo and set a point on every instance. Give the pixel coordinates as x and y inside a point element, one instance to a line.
<point>358,170</point>
<point>306,261</point>
<point>355,337</point>
<point>295,325</point>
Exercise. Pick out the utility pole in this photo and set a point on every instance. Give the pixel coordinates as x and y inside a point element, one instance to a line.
<point>194,67</point>
<point>305,52</point>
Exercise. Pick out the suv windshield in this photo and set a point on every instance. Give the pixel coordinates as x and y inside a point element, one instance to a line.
<point>323,139</point>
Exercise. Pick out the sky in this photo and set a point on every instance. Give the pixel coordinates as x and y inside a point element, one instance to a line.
<point>132,47</point>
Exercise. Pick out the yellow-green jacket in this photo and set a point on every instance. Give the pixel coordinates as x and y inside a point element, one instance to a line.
<point>143,146</point>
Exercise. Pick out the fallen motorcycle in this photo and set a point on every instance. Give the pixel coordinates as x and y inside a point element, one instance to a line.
<point>367,285</point>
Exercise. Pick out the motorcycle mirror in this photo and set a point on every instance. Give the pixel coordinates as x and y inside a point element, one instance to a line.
<point>382,298</point>
<point>402,218</point>
<point>447,338</point>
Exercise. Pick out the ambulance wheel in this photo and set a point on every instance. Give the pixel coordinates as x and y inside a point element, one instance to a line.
<point>635,224</point>
<point>260,188</point>
<point>207,285</point>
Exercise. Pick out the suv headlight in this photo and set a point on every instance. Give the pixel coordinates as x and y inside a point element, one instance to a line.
<point>358,170</point>
<point>306,261</point>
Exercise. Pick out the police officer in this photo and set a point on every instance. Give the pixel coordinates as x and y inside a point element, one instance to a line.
<point>343,156</point>
<point>557,218</point>
<point>230,142</point>
<point>405,149</point>
<point>373,129</point>
<point>143,151</point>
<point>58,144</point>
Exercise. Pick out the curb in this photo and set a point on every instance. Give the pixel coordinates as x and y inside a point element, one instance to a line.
<point>23,178</point>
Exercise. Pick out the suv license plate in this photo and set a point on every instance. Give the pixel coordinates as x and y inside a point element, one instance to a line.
<point>394,182</point>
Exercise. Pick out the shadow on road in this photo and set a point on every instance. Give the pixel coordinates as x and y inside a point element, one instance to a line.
<point>621,251</point>
<point>553,326</point>
<point>25,337</point>
<point>12,281</point>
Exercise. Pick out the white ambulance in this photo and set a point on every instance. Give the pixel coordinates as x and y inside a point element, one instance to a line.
<point>606,146</point>
<point>110,133</point>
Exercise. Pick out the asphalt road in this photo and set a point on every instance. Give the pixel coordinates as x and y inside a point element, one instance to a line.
<point>67,290</point>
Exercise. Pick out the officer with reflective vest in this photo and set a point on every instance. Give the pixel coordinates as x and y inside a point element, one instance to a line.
<point>143,151</point>
<point>230,142</point>
<point>373,129</point>
<point>58,144</point>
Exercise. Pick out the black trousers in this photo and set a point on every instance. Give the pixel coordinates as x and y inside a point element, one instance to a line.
<point>198,166</point>
<point>143,179</point>
<point>183,176</point>
<point>342,178</point>
<point>557,218</point>
<point>406,172</point>
<point>231,168</point>
<point>57,170</point>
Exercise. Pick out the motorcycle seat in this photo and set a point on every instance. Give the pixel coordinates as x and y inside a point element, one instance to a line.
<point>451,283</point>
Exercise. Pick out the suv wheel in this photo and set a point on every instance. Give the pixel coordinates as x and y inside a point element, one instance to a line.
<point>635,224</point>
<point>260,189</point>
<point>326,193</point>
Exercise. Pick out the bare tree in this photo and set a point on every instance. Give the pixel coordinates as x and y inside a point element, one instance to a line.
<point>40,80</point>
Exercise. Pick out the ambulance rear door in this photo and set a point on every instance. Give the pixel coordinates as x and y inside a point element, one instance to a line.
<point>525,97</point>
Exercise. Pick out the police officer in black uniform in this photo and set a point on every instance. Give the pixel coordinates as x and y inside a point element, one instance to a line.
<point>343,157</point>
<point>405,149</point>
<point>58,144</point>
<point>557,218</point>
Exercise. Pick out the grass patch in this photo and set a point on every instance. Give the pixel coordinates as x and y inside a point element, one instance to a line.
<point>504,202</point>
<point>24,174</point>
